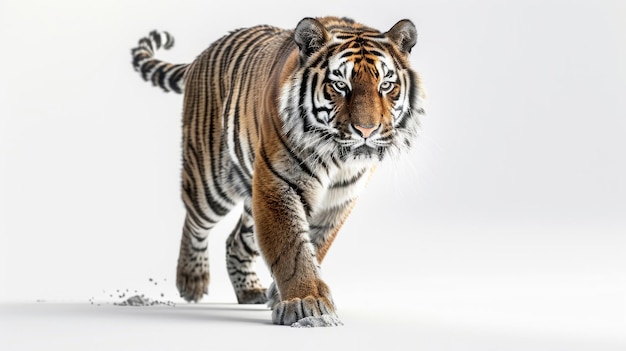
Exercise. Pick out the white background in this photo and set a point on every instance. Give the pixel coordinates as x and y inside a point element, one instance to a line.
<point>509,216</point>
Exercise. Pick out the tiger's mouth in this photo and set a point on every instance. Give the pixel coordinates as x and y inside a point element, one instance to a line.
<point>351,147</point>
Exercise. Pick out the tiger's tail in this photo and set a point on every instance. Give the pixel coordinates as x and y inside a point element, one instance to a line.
<point>168,76</point>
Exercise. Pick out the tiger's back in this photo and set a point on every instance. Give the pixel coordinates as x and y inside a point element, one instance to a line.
<point>292,123</point>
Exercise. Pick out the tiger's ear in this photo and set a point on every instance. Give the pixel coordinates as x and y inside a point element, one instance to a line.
<point>310,35</point>
<point>404,35</point>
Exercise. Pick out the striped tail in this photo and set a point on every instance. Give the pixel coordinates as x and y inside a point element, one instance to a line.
<point>168,76</point>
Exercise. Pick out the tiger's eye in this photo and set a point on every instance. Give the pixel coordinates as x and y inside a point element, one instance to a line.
<point>340,86</point>
<point>386,87</point>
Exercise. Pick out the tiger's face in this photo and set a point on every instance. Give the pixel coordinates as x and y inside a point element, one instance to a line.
<point>357,98</point>
<point>364,87</point>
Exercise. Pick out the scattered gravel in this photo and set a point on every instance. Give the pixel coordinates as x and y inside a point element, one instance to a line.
<point>134,298</point>
<point>138,300</point>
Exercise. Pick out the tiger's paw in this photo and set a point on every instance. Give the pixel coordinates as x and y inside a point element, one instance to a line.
<point>307,312</point>
<point>192,286</point>
<point>252,296</point>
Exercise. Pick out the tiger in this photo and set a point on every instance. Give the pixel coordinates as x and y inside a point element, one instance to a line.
<point>291,124</point>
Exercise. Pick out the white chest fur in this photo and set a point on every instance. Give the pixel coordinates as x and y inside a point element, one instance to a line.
<point>342,187</point>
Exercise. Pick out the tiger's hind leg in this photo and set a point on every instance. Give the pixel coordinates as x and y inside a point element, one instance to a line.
<point>192,273</point>
<point>241,255</point>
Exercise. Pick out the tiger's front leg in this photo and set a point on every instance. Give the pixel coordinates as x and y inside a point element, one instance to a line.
<point>280,212</point>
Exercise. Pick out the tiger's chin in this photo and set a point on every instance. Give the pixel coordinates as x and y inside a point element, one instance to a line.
<point>362,153</point>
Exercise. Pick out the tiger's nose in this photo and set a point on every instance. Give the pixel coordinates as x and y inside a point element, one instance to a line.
<point>365,130</point>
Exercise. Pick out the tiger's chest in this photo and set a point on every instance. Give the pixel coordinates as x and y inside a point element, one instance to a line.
<point>340,188</point>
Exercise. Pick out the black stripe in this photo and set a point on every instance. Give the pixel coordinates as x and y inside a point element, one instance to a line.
<point>313,88</point>
<point>335,161</point>
<point>139,54</point>
<point>240,260</point>
<point>295,260</point>
<point>347,54</point>
<point>295,157</point>
<point>147,43</point>
<point>250,149</point>
<point>247,210</point>
<point>196,220</point>
<point>159,74</point>
<point>247,229</point>
<point>348,182</point>
<point>156,37</point>
<point>223,63</point>
<point>281,317</point>
<point>278,258</point>
<point>249,250</point>
<point>303,88</point>
<point>176,77</point>
<point>233,270</point>
<point>345,36</point>
<point>305,204</point>
<point>169,41</point>
<point>376,53</point>
<point>247,83</point>
<point>146,68</point>
<point>199,249</point>
<point>197,237</point>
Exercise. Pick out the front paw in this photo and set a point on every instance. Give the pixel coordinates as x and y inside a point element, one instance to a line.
<point>306,312</point>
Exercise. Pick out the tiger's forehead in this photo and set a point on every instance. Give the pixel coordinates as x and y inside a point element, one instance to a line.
<point>360,52</point>
<point>368,42</point>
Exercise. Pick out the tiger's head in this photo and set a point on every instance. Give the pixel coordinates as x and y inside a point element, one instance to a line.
<point>353,95</point>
